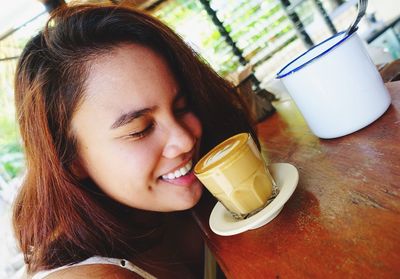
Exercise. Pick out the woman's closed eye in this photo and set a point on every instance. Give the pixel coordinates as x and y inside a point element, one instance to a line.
<point>142,133</point>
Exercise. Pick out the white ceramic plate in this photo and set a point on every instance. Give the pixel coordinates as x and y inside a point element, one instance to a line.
<point>286,177</point>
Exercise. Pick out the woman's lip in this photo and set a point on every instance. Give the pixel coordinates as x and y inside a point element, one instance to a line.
<point>185,180</point>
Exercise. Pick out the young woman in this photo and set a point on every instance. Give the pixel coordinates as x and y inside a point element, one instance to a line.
<point>114,111</point>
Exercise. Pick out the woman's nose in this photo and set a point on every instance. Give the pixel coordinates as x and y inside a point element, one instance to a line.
<point>180,140</point>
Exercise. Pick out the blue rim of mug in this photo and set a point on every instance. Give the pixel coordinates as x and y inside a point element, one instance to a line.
<point>279,75</point>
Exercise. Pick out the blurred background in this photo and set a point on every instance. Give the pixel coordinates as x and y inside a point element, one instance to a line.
<point>234,36</point>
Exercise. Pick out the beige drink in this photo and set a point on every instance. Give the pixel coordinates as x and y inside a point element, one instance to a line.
<point>235,173</point>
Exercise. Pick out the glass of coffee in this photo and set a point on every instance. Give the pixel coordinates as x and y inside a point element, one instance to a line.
<point>235,173</point>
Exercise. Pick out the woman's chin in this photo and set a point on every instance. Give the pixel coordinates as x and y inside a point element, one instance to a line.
<point>191,199</point>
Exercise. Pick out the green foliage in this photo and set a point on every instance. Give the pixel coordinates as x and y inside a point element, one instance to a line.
<point>183,16</point>
<point>11,154</point>
<point>252,24</point>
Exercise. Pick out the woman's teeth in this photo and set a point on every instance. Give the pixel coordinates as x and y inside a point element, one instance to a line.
<point>179,172</point>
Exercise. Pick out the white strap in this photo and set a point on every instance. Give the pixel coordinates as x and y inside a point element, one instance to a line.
<point>99,260</point>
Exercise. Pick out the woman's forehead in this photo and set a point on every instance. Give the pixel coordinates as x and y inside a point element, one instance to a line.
<point>129,77</point>
<point>128,67</point>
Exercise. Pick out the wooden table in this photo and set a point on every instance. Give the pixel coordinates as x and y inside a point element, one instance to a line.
<point>343,220</point>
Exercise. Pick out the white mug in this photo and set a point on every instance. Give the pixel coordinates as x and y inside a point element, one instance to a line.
<point>336,86</point>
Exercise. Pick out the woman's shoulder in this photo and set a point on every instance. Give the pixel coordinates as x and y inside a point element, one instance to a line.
<point>94,271</point>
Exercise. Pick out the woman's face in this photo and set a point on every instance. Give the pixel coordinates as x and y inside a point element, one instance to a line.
<point>137,138</point>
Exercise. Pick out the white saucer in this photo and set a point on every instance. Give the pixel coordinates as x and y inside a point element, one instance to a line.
<point>286,177</point>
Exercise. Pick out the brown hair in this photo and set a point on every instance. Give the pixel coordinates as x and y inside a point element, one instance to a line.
<point>57,218</point>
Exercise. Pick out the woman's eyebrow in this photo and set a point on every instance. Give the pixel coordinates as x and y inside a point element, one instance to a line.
<point>129,117</point>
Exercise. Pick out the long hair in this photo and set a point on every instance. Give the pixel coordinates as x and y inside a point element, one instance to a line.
<point>57,218</point>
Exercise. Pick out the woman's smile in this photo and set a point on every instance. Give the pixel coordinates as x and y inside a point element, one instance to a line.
<point>180,171</point>
<point>181,175</point>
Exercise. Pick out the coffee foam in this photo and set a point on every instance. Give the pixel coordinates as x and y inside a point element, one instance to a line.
<point>220,154</point>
